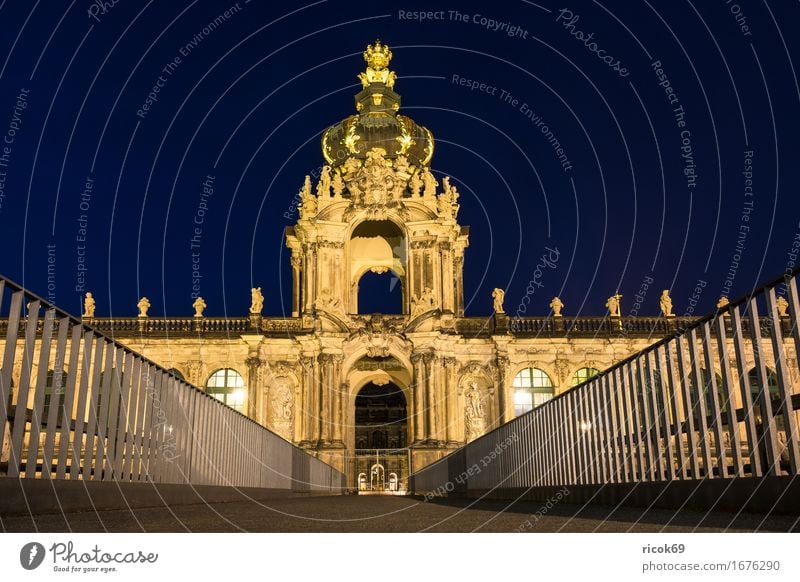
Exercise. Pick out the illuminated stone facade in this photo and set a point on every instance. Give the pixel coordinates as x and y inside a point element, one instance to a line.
<point>378,208</point>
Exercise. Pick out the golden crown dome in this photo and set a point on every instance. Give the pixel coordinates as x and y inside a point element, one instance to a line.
<point>377,123</point>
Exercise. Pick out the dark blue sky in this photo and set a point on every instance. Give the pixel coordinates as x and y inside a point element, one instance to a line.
<point>652,190</point>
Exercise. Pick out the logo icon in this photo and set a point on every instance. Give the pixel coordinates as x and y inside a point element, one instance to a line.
<point>31,555</point>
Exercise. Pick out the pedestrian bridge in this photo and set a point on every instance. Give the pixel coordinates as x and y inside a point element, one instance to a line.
<point>656,430</point>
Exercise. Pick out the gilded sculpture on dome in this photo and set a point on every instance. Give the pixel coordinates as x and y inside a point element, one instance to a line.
<point>377,57</point>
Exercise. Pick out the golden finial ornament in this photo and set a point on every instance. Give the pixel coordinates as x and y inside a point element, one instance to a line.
<point>377,56</point>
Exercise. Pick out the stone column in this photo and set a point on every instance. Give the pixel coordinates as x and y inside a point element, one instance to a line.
<point>450,401</point>
<point>446,262</point>
<point>297,261</point>
<point>430,390</point>
<point>254,363</point>
<point>340,414</point>
<point>502,392</point>
<point>329,396</point>
<point>458,267</point>
<point>304,408</point>
<point>419,397</point>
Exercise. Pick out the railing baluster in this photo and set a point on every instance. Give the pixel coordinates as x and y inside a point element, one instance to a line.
<point>747,399</point>
<point>21,410</point>
<point>684,375</point>
<point>699,409</point>
<point>9,354</point>
<point>784,383</point>
<point>56,410</point>
<point>675,400</point>
<point>716,416</point>
<point>729,390</point>
<point>769,438</point>
<point>103,402</point>
<point>34,436</point>
<point>66,443</point>
<point>89,396</point>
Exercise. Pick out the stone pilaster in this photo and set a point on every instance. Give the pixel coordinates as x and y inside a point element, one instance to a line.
<point>418,397</point>
<point>502,389</point>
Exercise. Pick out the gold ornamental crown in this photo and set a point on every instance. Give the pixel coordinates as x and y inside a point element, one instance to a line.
<point>377,56</point>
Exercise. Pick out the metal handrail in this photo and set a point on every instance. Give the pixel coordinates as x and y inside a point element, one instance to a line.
<point>647,419</point>
<point>120,416</point>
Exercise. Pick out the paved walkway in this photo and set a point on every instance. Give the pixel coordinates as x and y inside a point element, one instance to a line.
<point>392,514</point>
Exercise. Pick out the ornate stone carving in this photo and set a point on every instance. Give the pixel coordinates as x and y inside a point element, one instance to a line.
<point>324,184</point>
<point>199,305</point>
<point>143,305</point>
<point>782,306</point>
<point>308,202</point>
<point>556,305</point>
<point>447,202</point>
<point>666,304</point>
<point>282,405</point>
<point>722,302</point>
<point>88,305</point>
<point>327,302</point>
<point>337,184</point>
<point>424,303</point>
<point>196,372</point>
<point>430,183</point>
<point>612,303</point>
<point>474,411</point>
<point>498,296</point>
<point>256,301</point>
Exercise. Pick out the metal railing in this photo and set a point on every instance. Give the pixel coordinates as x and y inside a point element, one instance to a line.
<point>76,404</point>
<point>658,415</point>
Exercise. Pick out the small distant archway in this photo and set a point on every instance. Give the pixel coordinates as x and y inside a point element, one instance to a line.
<point>380,293</point>
<point>377,267</point>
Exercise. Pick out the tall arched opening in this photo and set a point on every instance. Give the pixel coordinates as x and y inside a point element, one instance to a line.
<point>377,267</point>
<point>381,438</point>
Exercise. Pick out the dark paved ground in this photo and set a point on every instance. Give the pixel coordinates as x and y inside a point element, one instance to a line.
<point>392,514</point>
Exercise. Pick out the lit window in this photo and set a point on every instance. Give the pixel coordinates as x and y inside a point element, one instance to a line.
<point>532,388</point>
<point>227,386</point>
<point>583,374</point>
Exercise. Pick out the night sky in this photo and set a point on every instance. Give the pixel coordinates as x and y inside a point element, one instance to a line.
<point>678,121</point>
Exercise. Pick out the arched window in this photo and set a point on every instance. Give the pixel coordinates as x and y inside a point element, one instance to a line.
<point>583,374</point>
<point>227,386</point>
<point>532,387</point>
